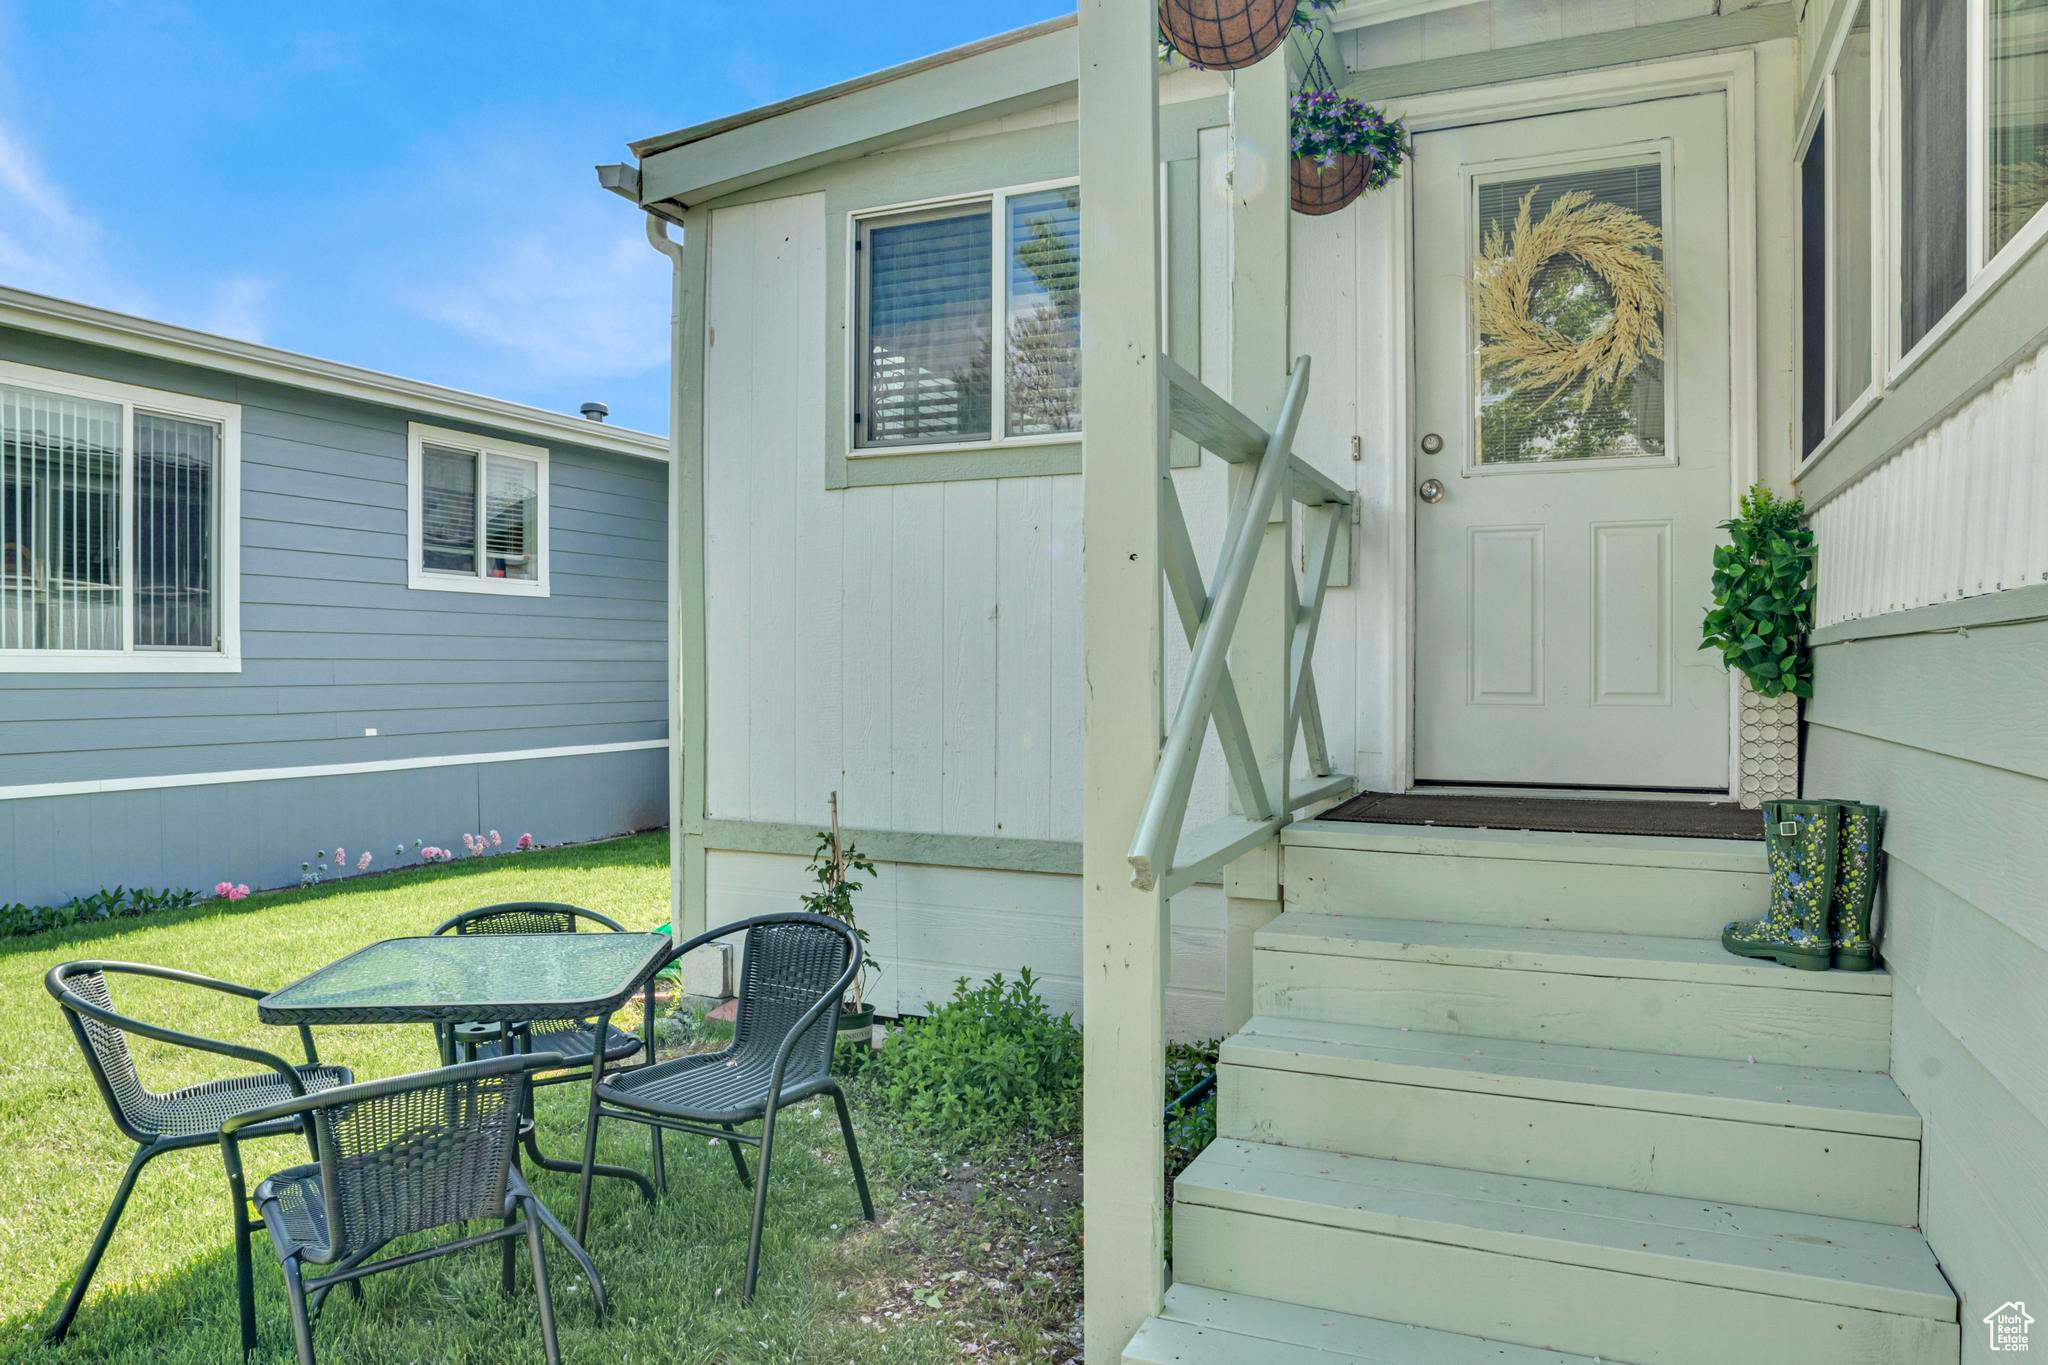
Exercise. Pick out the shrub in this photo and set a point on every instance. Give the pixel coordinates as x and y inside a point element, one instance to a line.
<point>1189,1127</point>
<point>991,1064</point>
<point>120,902</point>
<point>1763,596</point>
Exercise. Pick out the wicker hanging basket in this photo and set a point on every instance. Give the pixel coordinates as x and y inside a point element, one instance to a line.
<point>1225,35</point>
<point>1322,189</point>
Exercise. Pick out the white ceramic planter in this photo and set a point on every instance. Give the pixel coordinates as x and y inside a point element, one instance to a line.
<point>1769,736</point>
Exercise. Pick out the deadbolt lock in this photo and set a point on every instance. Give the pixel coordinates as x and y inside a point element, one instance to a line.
<point>1432,443</point>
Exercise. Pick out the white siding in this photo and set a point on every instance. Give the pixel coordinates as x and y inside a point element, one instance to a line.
<point>929,926</point>
<point>1960,511</point>
<point>1492,25</point>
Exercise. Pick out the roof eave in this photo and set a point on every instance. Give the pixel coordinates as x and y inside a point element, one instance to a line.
<point>1021,69</point>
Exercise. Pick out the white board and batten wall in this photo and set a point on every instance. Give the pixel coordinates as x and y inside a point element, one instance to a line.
<point>916,647</point>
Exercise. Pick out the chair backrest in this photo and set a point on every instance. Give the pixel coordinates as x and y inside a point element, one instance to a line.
<point>791,963</point>
<point>526,917</point>
<point>421,1155</point>
<point>105,1047</point>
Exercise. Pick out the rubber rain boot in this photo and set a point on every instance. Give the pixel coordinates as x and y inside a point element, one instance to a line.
<point>1859,861</point>
<point>1800,841</point>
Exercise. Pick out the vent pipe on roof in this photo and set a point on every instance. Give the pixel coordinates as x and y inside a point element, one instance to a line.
<point>595,411</point>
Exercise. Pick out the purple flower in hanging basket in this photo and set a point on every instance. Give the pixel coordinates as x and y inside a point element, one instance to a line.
<point>1324,126</point>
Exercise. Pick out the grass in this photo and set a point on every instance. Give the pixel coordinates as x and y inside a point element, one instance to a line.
<point>938,1281</point>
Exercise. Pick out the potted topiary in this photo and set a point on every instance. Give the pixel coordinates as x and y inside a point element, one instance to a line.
<point>831,862</point>
<point>1763,609</point>
<point>1340,148</point>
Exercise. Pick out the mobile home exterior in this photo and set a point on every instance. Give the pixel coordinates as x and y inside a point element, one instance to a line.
<point>880,568</point>
<point>256,607</point>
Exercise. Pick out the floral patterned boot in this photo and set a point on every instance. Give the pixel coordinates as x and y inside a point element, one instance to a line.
<point>1800,840</point>
<point>1857,867</point>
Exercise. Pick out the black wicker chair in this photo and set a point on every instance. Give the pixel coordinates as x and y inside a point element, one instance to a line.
<point>574,1040</point>
<point>796,969</point>
<point>168,1122</point>
<point>396,1157</point>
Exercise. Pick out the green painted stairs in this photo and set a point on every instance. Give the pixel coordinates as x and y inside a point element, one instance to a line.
<point>1513,1131</point>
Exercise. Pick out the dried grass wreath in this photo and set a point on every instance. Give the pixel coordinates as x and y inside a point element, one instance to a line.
<point>1615,244</point>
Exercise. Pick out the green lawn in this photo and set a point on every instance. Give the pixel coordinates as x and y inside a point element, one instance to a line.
<point>165,1292</point>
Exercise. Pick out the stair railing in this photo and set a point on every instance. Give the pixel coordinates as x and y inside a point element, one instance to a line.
<point>1164,853</point>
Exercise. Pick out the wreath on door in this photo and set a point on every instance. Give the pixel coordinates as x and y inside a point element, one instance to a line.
<point>1618,245</point>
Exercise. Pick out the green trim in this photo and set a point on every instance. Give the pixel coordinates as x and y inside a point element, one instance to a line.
<point>969,166</point>
<point>2011,607</point>
<point>1618,48</point>
<point>2007,324</point>
<point>898,846</point>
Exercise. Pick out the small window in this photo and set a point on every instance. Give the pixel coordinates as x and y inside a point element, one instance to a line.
<point>479,514</point>
<point>969,322</point>
<point>116,552</point>
<point>1813,295</point>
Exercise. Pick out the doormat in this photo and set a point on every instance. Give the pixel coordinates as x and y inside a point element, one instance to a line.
<point>1554,814</point>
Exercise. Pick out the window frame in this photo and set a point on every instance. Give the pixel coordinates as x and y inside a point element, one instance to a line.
<point>420,435</point>
<point>858,224</point>
<point>1986,271</point>
<point>226,655</point>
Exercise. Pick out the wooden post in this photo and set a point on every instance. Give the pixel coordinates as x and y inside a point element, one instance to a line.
<point>1258,381</point>
<point>1124,442</point>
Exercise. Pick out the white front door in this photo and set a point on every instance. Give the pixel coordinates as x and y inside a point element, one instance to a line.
<point>1564,548</point>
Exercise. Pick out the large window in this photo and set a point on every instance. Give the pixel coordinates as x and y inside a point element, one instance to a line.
<point>479,515</point>
<point>969,322</point>
<point>117,543</point>
<point>1972,150</point>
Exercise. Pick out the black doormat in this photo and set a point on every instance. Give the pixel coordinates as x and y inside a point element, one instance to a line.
<point>1555,814</point>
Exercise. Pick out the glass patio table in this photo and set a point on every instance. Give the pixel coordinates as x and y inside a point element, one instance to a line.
<point>455,979</point>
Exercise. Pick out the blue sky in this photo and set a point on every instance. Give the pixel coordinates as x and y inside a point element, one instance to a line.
<point>405,186</point>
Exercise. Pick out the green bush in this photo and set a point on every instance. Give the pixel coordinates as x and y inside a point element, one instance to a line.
<point>1189,1127</point>
<point>120,902</point>
<point>1763,595</point>
<point>991,1064</point>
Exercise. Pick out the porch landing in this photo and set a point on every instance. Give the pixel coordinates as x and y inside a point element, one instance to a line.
<point>1560,814</point>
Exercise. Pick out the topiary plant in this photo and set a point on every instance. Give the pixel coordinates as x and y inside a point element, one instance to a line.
<point>1763,594</point>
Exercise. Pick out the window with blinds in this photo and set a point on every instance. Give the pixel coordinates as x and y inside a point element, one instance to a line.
<point>1524,423</point>
<point>969,326</point>
<point>110,527</point>
<point>1934,146</point>
<point>479,514</point>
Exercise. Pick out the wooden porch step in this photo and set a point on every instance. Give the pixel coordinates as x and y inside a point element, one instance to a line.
<point>1594,883</point>
<point>1210,1327</point>
<point>1616,1274</point>
<point>1654,993</point>
<point>1805,1139</point>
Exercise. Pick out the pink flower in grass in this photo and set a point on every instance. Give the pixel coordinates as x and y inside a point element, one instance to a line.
<point>525,844</point>
<point>223,888</point>
<point>340,855</point>
<point>363,863</point>
<point>229,891</point>
<point>495,840</point>
<point>240,893</point>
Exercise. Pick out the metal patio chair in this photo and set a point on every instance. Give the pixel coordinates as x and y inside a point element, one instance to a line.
<point>574,1040</point>
<point>396,1157</point>
<point>168,1122</point>
<point>796,969</point>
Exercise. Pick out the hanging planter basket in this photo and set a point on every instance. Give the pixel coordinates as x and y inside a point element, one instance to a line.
<point>1225,35</point>
<point>1320,189</point>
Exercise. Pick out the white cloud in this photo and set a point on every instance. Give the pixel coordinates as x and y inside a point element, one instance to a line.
<point>46,245</point>
<point>573,300</point>
<point>238,308</point>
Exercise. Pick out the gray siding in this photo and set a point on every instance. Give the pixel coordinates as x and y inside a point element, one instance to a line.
<point>334,642</point>
<point>1948,731</point>
<point>261,832</point>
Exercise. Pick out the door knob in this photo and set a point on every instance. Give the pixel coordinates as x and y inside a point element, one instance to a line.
<point>1431,491</point>
<point>1432,443</point>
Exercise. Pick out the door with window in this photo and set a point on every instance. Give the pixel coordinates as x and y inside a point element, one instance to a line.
<point>1572,409</point>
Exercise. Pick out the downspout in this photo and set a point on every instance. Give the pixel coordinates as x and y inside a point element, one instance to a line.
<point>687,910</point>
